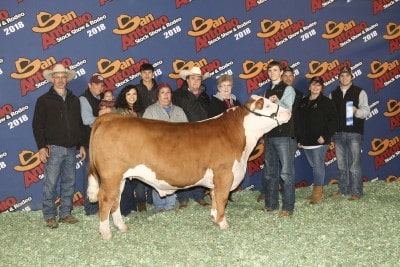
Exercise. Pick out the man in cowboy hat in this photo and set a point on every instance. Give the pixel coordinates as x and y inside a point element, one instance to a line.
<point>352,106</point>
<point>58,131</point>
<point>194,101</point>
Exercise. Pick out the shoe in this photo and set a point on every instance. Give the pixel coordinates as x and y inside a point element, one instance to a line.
<point>260,197</point>
<point>285,213</point>
<point>183,204</point>
<point>51,223</point>
<point>354,198</point>
<point>267,209</point>
<point>68,219</point>
<point>336,195</point>
<point>202,202</point>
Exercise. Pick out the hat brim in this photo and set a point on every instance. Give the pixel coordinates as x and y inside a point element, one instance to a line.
<point>48,75</point>
<point>185,73</point>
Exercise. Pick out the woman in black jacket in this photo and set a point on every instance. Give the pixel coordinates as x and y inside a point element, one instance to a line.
<point>316,123</point>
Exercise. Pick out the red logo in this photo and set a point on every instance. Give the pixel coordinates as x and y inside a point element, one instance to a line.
<point>330,156</point>
<point>117,73</point>
<point>57,28</point>
<point>276,33</point>
<point>255,163</point>
<point>31,166</point>
<point>134,30</point>
<point>384,150</point>
<point>393,35</point>
<point>210,31</point>
<point>384,73</point>
<point>29,72</point>
<point>380,5</point>
<point>341,34</point>
<point>393,113</point>
<point>319,4</point>
<point>327,70</point>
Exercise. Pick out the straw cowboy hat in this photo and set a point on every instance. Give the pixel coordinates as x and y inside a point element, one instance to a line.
<point>194,71</point>
<point>59,68</point>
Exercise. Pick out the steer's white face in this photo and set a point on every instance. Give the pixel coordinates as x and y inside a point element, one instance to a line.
<point>270,108</point>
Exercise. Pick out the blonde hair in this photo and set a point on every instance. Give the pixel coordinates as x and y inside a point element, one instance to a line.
<point>224,78</point>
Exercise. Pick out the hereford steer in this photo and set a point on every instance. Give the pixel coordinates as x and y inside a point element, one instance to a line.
<point>171,156</point>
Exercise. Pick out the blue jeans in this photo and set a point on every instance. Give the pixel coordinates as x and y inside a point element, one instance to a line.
<point>279,152</point>
<point>316,159</point>
<point>165,203</point>
<point>90,208</point>
<point>348,156</point>
<point>60,167</point>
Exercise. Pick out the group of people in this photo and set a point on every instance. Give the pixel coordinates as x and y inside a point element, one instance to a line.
<point>62,124</point>
<point>316,121</point>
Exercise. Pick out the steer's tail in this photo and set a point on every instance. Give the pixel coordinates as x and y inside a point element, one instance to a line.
<point>93,177</point>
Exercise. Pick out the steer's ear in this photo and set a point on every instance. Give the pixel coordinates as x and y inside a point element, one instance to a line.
<point>259,103</point>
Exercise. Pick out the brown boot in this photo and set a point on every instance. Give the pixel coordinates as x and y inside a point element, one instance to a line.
<point>317,195</point>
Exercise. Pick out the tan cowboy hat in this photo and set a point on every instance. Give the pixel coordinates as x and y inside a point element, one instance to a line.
<point>59,68</point>
<point>194,71</point>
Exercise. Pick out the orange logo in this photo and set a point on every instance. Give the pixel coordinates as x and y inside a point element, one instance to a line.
<point>393,35</point>
<point>29,72</point>
<point>340,34</point>
<point>117,73</point>
<point>384,150</point>
<point>209,31</point>
<point>58,27</point>
<point>384,73</point>
<point>31,166</point>
<point>255,74</point>
<point>134,30</point>
<point>393,107</point>
<point>276,33</point>
<point>327,70</point>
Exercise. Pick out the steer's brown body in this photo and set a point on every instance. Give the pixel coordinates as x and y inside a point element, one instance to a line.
<point>169,156</point>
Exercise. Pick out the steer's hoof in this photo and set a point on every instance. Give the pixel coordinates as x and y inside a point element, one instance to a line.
<point>223,225</point>
<point>124,228</point>
<point>106,236</point>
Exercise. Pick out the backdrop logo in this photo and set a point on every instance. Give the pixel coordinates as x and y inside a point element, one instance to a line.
<point>119,72</point>
<point>327,70</point>
<point>253,3</point>
<point>203,64</point>
<point>6,19</point>
<point>31,166</point>
<point>330,156</point>
<point>30,72</point>
<point>276,33</point>
<point>384,150</point>
<point>255,74</point>
<point>393,35</point>
<point>393,113</point>
<point>103,2</point>
<point>384,73</point>
<point>381,5</point>
<point>255,163</point>
<point>57,28</point>
<point>209,31</point>
<point>341,34</point>
<point>320,4</point>
<point>134,30</point>
<point>180,3</point>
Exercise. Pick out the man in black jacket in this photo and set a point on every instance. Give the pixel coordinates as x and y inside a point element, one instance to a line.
<point>58,131</point>
<point>194,101</point>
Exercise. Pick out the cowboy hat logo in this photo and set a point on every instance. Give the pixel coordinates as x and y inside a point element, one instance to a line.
<point>28,160</point>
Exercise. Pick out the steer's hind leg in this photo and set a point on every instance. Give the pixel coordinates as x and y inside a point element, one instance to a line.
<point>116,211</point>
<point>222,187</point>
<point>213,206</point>
<point>105,203</point>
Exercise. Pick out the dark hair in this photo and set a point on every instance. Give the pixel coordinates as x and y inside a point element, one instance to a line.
<point>288,68</point>
<point>121,99</point>
<point>146,66</point>
<point>274,63</point>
